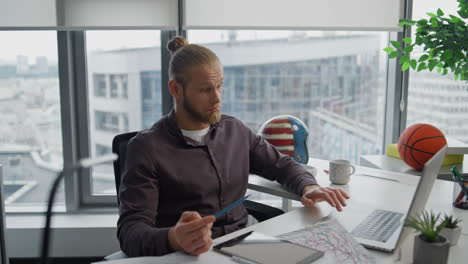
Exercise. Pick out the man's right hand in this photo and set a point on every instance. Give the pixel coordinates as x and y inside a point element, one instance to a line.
<point>192,233</point>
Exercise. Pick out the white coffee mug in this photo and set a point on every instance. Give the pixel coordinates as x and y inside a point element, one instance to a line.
<point>341,171</point>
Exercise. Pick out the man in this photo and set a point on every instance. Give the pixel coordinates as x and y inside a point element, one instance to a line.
<point>195,162</point>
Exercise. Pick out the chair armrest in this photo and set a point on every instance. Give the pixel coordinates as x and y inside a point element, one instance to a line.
<point>116,255</point>
<point>261,212</point>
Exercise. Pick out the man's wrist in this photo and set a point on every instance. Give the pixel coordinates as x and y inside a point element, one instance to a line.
<point>172,240</point>
<point>309,188</point>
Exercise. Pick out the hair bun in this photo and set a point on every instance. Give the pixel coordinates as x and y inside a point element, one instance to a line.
<point>176,43</point>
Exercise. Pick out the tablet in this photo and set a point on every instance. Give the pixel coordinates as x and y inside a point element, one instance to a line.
<point>255,247</point>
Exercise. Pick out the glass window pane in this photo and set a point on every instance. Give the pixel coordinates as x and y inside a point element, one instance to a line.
<point>124,73</point>
<point>30,123</point>
<point>333,81</point>
<point>433,98</point>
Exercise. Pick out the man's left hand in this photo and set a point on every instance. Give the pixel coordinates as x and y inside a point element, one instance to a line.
<point>315,193</point>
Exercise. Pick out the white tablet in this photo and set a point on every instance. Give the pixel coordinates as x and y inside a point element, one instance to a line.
<point>255,247</point>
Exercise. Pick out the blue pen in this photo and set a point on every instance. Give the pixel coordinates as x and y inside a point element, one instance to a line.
<point>234,204</point>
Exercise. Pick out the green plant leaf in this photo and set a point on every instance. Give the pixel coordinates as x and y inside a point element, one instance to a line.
<point>454,19</point>
<point>434,22</point>
<point>419,40</point>
<point>440,12</point>
<point>388,49</point>
<point>448,54</point>
<point>431,14</point>
<point>407,40</point>
<point>450,221</point>
<point>439,70</point>
<point>393,54</point>
<point>413,64</point>
<point>464,14</point>
<point>445,71</point>
<point>405,66</point>
<point>427,225</point>
<point>408,49</point>
<point>423,57</point>
<point>422,66</point>
<point>432,64</point>
<point>422,22</point>
<point>404,58</point>
<point>396,44</point>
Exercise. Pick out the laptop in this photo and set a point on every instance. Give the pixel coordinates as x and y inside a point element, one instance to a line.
<point>382,229</point>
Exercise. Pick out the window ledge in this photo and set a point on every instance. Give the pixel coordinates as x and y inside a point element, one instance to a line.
<point>80,220</point>
<point>74,235</point>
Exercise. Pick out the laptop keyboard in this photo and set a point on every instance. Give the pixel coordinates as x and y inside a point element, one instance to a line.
<point>378,226</point>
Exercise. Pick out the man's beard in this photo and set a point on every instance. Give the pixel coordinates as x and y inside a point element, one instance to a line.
<point>208,118</point>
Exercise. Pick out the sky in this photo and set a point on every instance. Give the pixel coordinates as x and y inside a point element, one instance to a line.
<point>44,43</point>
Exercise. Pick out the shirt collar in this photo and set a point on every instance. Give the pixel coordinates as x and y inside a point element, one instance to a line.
<point>174,129</point>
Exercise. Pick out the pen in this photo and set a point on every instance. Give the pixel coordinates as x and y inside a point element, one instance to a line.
<point>456,173</point>
<point>459,180</point>
<point>383,178</point>
<point>229,207</point>
<point>459,197</point>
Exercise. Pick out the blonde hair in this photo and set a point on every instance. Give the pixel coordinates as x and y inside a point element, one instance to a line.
<point>184,56</point>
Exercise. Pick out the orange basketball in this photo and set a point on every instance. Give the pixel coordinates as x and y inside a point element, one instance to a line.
<point>418,143</point>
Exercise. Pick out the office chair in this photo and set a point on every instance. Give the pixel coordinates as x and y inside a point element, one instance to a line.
<point>260,212</point>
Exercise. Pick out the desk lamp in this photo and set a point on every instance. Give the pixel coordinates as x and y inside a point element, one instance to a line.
<point>83,163</point>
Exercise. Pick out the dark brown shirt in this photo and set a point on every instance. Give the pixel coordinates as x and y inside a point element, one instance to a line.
<point>166,174</point>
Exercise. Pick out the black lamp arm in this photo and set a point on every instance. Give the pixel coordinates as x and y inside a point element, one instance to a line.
<point>46,230</point>
<point>83,163</point>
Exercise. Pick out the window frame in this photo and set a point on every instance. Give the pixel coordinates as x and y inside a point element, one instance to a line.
<point>395,116</point>
<point>73,81</point>
<point>85,196</point>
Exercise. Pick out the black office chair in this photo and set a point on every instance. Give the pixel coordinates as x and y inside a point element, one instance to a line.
<point>259,211</point>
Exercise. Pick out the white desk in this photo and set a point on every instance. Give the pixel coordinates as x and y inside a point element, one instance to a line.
<point>361,189</point>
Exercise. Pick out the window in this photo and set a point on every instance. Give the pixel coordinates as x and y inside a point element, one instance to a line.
<point>100,85</point>
<point>151,97</point>
<point>30,123</point>
<point>118,85</point>
<point>437,99</point>
<point>111,121</point>
<point>126,69</point>
<point>333,81</point>
<point>102,150</point>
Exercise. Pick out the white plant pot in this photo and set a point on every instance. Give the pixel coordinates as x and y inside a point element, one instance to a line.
<point>451,234</point>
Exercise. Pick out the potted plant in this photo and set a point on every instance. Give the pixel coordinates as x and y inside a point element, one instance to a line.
<point>429,245</point>
<point>442,41</point>
<point>452,230</point>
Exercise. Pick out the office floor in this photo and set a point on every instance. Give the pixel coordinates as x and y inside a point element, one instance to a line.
<point>57,260</point>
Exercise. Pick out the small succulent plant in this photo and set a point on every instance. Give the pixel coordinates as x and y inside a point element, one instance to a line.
<point>451,222</point>
<point>428,224</point>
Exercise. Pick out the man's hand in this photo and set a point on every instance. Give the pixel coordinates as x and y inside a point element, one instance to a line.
<point>192,233</point>
<point>315,193</point>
